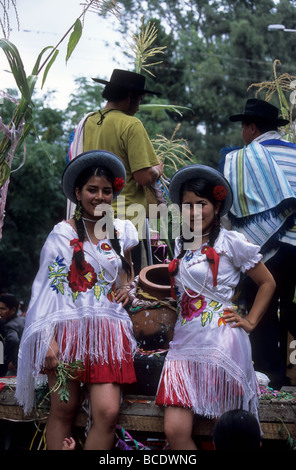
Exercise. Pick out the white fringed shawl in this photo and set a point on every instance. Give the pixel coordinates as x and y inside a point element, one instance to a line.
<point>91,318</point>
<point>209,364</point>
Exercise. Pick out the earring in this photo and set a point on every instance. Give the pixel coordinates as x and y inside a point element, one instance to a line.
<point>78,211</point>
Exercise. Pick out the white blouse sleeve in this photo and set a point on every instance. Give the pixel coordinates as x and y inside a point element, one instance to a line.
<point>128,235</point>
<point>244,255</point>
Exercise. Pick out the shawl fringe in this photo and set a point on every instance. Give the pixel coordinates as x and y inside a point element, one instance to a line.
<point>210,389</point>
<point>75,338</point>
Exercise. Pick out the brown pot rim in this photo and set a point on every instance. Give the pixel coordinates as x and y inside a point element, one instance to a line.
<point>143,276</point>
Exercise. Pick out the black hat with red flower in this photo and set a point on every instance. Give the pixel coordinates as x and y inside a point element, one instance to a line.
<point>97,158</point>
<point>221,188</point>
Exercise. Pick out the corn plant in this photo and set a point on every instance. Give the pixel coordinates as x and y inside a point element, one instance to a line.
<point>14,134</point>
<point>281,85</point>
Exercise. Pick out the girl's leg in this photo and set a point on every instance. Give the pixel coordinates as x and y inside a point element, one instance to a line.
<point>59,422</point>
<point>105,404</point>
<point>178,423</point>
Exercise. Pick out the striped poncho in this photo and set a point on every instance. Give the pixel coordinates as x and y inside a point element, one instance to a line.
<point>263,179</point>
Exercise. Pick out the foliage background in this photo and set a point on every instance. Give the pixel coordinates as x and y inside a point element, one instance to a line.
<point>214,51</point>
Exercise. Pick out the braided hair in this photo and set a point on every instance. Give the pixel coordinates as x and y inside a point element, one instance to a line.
<point>78,255</point>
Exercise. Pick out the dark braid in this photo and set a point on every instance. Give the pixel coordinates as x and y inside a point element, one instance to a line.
<point>215,230</point>
<point>117,248</point>
<point>78,256</point>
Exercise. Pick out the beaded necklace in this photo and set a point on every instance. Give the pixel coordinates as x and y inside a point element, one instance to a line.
<point>181,278</point>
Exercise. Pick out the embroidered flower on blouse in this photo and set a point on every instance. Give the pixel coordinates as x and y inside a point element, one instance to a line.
<point>105,246</point>
<point>81,279</point>
<point>57,275</point>
<point>192,307</point>
<point>189,256</point>
<point>110,293</point>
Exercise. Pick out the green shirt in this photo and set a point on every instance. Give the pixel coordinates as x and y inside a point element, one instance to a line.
<point>126,137</point>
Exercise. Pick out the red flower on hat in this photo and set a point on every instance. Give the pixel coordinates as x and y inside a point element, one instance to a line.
<point>118,184</point>
<point>219,193</point>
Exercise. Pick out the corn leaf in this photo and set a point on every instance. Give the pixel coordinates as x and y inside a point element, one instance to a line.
<point>74,38</point>
<point>169,107</point>
<point>16,66</point>
<point>37,64</point>
<point>4,172</point>
<point>48,66</point>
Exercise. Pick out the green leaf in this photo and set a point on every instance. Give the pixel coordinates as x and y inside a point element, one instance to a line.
<point>74,38</point>
<point>37,63</point>
<point>169,107</point>
<point>48,67</point>
<point>4,172</point>
<point>16,66</point>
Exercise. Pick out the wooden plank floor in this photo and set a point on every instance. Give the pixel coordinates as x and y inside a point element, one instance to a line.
<point>139,413</point>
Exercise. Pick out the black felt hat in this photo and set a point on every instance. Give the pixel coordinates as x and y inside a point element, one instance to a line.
<point>126,79</point>
<point>260,109</point>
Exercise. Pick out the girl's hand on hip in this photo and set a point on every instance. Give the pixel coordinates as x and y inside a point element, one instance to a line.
<point>237,321</point>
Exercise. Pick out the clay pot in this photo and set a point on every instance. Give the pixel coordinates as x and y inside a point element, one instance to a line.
<point>155,280</point>
<point>154,326</point>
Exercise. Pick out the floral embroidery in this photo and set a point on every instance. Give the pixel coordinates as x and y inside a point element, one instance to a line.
<point>110,293</point>
<point>194,307</point>
<point>81,279</point>
<point>191,307</point>
<point>189,256</point>
<point>106,247</point>
<point>221,321</point>
<point>57,274</point>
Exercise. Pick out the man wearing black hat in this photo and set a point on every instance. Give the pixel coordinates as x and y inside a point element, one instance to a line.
<point>263,178</point>
<point>115,129</point>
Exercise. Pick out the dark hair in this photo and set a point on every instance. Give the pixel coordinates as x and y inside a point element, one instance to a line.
<point>81,180</point>
<point>115,93</point>
<point>10,301</point>
<point>202,188</point>
<point>263,124</point>
<point>237,429</point>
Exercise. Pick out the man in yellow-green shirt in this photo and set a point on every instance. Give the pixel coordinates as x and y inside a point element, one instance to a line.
<point>115,129</point>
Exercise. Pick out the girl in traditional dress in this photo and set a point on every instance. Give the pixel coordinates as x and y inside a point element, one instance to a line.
<point>208,369</point>
<point>76,313</point>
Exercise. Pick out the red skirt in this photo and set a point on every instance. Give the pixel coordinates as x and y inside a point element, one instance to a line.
<point>163,400</point>
<point>98,371</point>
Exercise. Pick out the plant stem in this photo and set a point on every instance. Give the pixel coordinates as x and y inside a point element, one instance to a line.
<point>64,36</point>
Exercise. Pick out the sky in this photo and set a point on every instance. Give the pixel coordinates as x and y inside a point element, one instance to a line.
<point>43,23</point>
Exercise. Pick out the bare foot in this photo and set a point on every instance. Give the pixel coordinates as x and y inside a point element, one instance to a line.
<point>68,444</point>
